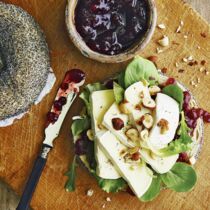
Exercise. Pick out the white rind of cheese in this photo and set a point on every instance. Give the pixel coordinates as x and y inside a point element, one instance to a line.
<point>168,109</point>
<point>136,92</point>
<point>160,164</point>
<point>114,112</point>
<point>105,168</point>
<point>100,103</point>
<point>140,178</point>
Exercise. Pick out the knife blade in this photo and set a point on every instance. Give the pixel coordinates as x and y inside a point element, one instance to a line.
<point>66,95</point>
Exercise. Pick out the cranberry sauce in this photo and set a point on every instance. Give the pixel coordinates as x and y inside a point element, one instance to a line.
<point>111,26</point>
<point>193,114</point>
<point>69,84</point>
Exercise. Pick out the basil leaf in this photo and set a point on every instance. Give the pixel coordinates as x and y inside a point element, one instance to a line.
<point>80,125</point>
<point>85,95</point>
<point>70,184</point>
<point>153,190</point>
<point>176,93</point>
<point>181,178</point>
<point>118,93</point>
<point>140,69</point>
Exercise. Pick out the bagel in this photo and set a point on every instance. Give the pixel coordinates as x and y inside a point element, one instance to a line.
<point>24,62</point>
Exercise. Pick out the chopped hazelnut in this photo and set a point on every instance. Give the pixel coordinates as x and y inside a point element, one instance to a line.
<point>117,123</point>
<point>161,26</point>
<point>164,70</point>
<point>164,126</point>
<point>164,42</point>
<point>148,121</point>
<point>132,134</point>
<point>153,90</point>
<point>149,103</point>
<point>153,58</point>
<point>90,135</point>
<point>203,62</point>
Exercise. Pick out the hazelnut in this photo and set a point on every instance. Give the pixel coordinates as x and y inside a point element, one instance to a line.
<point>164,126</point>
<point>136,156</point>
<point>149,103</point>
<point>153,58</point>
<point>144,135</point>
<point>148,121</point>
<point>161,26</point>
<point>125,107</point>
<point>153,90</point>
<point>117,123</point>
<point>132,134</point>
<point>133,150</point>
<point>90,135</point>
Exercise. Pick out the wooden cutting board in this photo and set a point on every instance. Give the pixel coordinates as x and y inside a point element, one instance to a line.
<point>20,143</point>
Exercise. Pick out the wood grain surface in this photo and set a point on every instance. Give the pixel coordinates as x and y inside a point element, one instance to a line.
<point>20,143</point>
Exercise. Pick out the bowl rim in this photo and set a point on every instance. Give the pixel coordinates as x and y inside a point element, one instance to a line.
<point>124,56</point>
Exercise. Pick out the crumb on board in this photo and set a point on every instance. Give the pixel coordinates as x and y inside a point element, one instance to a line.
<point>90,192</point>
<point>108,199</point>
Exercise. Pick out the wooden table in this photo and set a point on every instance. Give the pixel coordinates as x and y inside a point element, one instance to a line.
<point>8,200</point>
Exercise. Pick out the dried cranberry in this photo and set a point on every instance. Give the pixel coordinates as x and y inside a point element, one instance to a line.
<point>62,100</point>
<point>58,105</point>
<point>64,86</point>
<point>109,84</point>
<point>128,190</point>
<point>206,117</point>
<point>186,107</point>
<point>52,117</point>
<point>81,147</point>
<point>94,8</point>
<point>74,75</point>
<point>200,112</point>
<point>187,97</point>
<point>170,81</point>
<point>117,123</point>
<point>183,157</point>
<point>192,114</point>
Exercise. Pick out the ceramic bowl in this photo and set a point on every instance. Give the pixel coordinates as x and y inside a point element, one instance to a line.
<point>126,55</point>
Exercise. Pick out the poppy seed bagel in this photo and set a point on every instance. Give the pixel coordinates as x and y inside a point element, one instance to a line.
<point>24,61</point>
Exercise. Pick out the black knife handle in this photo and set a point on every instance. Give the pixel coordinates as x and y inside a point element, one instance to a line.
<point>33,179</point>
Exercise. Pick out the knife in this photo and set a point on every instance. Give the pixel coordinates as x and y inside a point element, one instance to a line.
<point>66,95</point>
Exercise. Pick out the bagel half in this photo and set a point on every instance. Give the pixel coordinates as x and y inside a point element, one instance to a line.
<point>24,62</point>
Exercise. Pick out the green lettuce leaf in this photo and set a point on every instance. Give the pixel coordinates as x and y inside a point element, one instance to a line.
<point>176,93</point>
<point>184,130</point>
<point>175,147</point>
<point>71,174</point>
<point>80,125</point>
<point>111,185</point>
<point>140,69</point>
<point>153,190</point>
<point>181,178</point>
<point>182,144</point>
<point>121,79</point>
<point>85,95</point>
<point>118,93</point>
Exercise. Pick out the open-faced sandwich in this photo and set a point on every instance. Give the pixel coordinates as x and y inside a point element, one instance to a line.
<point>140,131</point>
